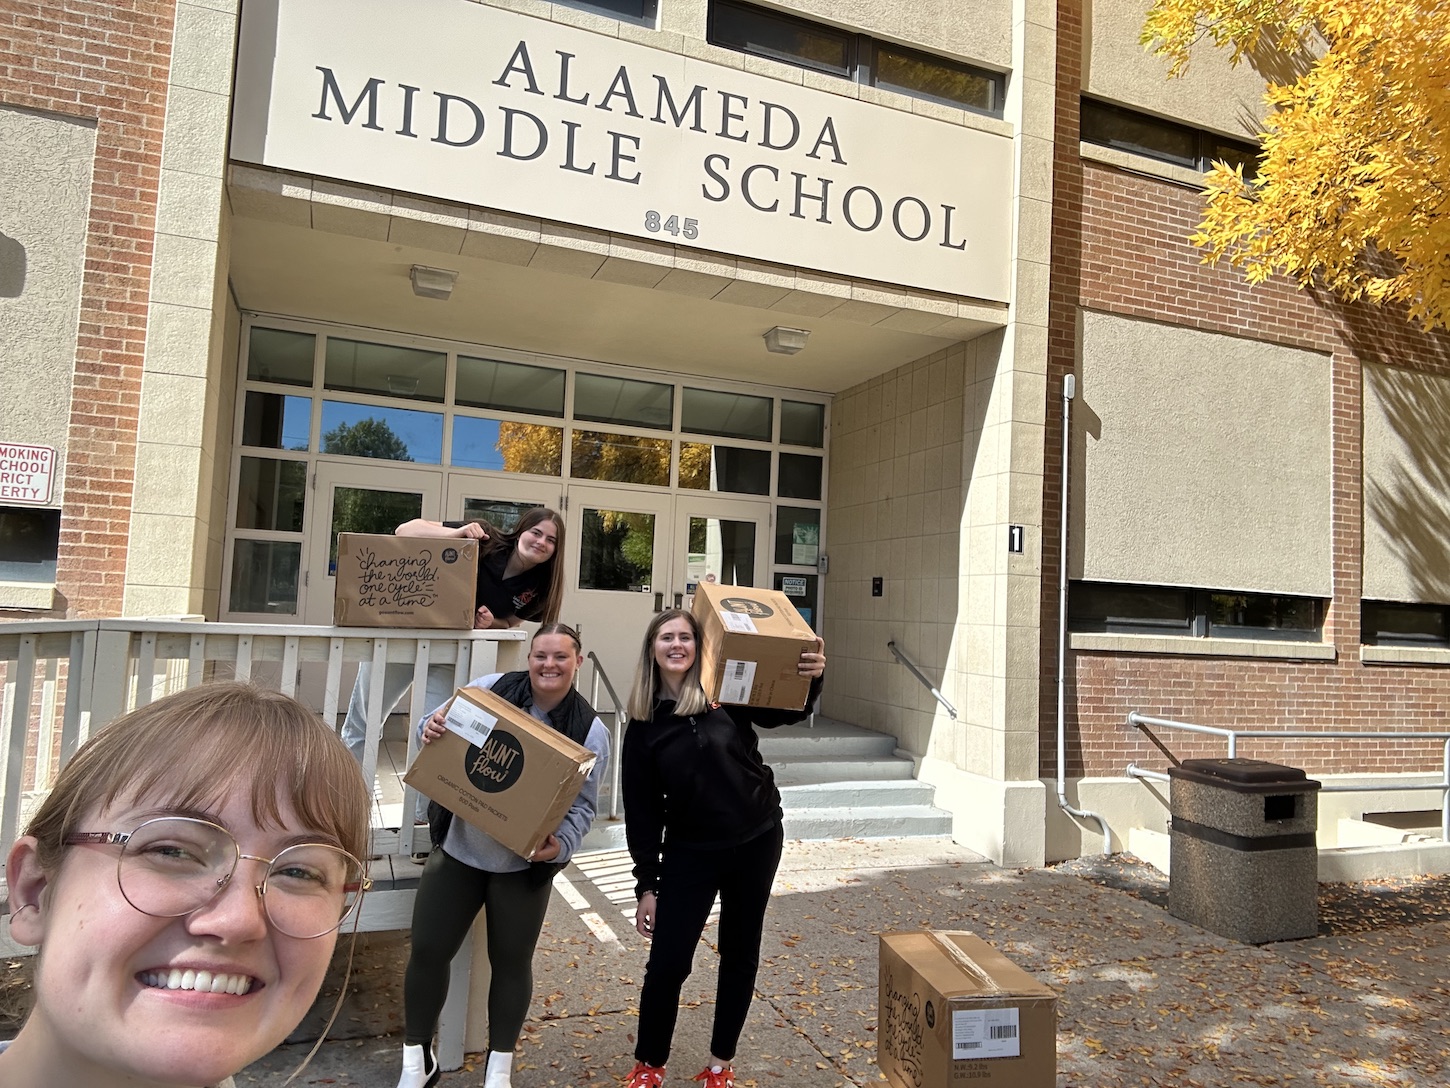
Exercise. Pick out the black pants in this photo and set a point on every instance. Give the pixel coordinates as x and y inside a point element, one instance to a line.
<point>450,895</point>
<point>689,881</point>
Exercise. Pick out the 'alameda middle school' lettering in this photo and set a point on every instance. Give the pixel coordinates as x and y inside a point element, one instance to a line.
<point>502,111</point>
<point>587,146</point>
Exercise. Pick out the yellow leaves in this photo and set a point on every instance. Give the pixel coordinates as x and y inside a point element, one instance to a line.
<point>1351,190</point>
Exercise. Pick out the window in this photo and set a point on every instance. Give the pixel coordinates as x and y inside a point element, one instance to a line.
<point>1386,623</point>
<point>765,33</point>
<point>1168,141</point>
<point>1167,610</point>
<point>634,11</point>
<point>29,544</point>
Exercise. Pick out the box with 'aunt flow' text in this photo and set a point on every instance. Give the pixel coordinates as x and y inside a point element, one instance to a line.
<point>750,646</point>
<point>956,1012</point>
<point>502,770</point>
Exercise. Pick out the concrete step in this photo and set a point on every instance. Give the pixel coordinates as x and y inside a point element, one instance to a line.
<point>867,822</point>
<point>845,794</point>
<point>841,769</point>
<point>828,739</point>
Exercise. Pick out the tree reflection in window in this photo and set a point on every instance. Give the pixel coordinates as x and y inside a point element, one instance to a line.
<point>616,550</point>
<point>620,458</point>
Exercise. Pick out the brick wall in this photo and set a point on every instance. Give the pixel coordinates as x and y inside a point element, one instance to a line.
<point>106,62</point>
<point>1120,246</point>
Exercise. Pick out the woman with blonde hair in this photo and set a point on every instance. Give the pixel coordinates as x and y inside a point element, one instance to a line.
<point>702,818</point>
<point>183,884</point>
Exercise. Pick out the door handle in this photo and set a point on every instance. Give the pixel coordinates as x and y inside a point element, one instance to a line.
<point>679,600</point>
<point>659,601</point>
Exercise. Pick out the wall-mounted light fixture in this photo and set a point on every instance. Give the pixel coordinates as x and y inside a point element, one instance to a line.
<point>784,341</point>
<point>432,282</point>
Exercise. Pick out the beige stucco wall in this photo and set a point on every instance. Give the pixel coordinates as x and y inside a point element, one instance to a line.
<point>894,512</point>
<point>1200,460</point>
<point>45,185</point>
<point>1406,485</point>
<point>1212,95</point>
<point>174,561</point>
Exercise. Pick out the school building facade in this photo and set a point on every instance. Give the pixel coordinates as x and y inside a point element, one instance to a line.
<point>785,294</point>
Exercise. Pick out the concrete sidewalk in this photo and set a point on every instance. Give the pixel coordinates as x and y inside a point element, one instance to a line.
<point>1145,998</point>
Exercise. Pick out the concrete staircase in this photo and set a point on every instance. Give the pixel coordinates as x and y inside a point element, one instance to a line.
<point>840,781</point>
<point>837,781</point>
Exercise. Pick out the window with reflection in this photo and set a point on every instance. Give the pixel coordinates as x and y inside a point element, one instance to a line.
<point>354,366</point>
<point>800,476</point>
<point>620,458</point>
<point>502,514</point>
<point>802,423</point>
<point>627,401</point>
<point>797,535</point>
<point>29,544</point>
<point>389,434</point>
<point>509,387</point>
<point>502,445</point>
<point>704,467</point>
<point>271,494</point>
<point>264,576</point>
<point>729,415</point>
<point>276,421</point>
<point>616,550</point>
<point>370,510</point>
<point>720,550</point>
<point>276,355</point>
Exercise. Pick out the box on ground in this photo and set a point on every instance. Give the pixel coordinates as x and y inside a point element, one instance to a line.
<point>750,646</point>
<point>953,1010</point>
<point>405,581</point>
<point>502,770</point>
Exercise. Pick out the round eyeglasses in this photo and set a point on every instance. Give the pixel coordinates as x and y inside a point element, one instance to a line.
<point>174,865</point>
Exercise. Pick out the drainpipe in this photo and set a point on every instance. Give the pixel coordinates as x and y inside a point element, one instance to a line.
<point>1069,389</point>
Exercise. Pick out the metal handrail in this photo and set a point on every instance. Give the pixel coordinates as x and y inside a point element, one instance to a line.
<point>621,717</point>
<point>911,667</point>
<point>1145,722</point>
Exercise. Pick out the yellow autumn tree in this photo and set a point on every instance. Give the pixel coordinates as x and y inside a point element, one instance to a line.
<point>1353,191</point>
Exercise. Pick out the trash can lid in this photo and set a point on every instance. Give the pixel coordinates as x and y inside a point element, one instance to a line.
<point>1245,775</point>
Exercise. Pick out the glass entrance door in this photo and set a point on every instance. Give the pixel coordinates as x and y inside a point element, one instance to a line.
<point>719,540</point>
<point>619,554</point>
<point>353,498</point>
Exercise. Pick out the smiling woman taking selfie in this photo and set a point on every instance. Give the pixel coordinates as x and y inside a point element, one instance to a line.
<point>702,817</point>
<point>184,883</point>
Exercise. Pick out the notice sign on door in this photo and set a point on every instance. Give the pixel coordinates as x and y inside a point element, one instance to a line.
<point>27,474</point>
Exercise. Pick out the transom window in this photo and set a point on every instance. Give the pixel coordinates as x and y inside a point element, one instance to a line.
<point>763,32</point>
<point>1391,623</point>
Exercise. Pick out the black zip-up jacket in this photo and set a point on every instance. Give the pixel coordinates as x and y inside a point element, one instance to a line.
<point>698,781</point>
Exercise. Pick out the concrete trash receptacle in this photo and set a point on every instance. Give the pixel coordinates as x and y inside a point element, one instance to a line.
<point>1244,862</point>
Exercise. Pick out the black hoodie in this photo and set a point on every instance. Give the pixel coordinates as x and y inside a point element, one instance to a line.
<point>698,781</point>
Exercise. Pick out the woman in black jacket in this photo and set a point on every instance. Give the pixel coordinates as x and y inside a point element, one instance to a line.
<point>702,817</point>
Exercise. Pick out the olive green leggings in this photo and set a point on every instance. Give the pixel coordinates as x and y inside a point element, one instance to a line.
<point>450,895</point>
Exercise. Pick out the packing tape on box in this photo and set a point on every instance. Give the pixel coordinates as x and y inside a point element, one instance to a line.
<point>965,962</point>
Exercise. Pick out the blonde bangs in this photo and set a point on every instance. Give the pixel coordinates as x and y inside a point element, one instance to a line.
<point>194,749</point>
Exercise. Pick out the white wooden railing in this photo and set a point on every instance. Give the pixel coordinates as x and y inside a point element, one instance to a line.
<point>64,679</point>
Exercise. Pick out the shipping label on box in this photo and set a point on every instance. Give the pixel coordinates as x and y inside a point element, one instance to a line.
<point>502,770</point>
<point>750,646</point>
<point>405,581</point>
<point>955,1011</point>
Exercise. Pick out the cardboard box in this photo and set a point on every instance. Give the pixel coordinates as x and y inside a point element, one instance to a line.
<point>955,1011</point>
<point>405,581</point>
<point>751,643</point>
<point>502,770</point>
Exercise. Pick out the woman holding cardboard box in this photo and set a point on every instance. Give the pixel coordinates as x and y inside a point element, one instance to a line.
<point>469,871</point>
<point>520,577</point>
<point>702,816</point>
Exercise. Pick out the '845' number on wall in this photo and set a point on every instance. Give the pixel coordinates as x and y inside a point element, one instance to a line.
<point>654,223</point>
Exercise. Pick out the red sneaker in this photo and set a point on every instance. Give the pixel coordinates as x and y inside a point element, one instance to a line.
<point>646,1076</point>
<point>723,1079</point>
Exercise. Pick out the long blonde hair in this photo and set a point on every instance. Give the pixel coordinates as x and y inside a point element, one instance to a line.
<point>645,692</point>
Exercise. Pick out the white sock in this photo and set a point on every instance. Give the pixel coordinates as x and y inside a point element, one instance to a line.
<point>500,1068</point>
